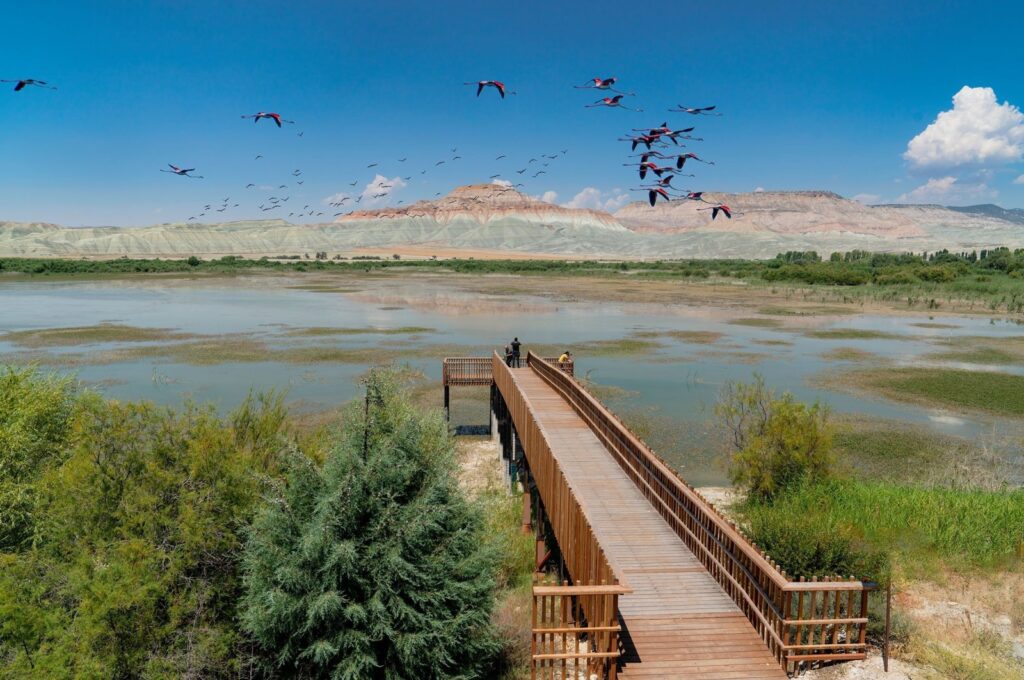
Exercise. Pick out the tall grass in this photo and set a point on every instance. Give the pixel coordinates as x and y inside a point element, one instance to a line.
<point>922,527</point>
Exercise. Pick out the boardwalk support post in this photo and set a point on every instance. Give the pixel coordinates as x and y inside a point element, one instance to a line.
<point>447,406</point>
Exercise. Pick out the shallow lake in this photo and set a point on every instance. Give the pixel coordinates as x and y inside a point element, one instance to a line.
<point>674,382</point>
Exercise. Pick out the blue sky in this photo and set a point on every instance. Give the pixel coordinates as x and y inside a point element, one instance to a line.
<point>816,95</point>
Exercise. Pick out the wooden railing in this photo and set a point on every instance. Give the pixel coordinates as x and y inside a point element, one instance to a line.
<point>477,370</point>
<point>583,556</point>
<point>466,371</point>
<point>575,631</point>
<point>799,621</point>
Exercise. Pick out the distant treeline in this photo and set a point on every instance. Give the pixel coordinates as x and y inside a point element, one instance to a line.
<point>853,268</point>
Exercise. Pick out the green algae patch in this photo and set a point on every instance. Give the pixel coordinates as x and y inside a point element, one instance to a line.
<point>89,335</point>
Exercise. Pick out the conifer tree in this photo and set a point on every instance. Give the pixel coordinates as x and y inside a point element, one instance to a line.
<point>372,566</point>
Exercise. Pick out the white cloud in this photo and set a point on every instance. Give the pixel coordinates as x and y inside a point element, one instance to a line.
<point>759,190</point>
<point>501,182</point>
<point>978,129</point>
<point>595,199</point>
<point>867,199</point>
<point>336,198</point>
<point>549,196</point>
<point>948,190</point>
<point>1019,180</point>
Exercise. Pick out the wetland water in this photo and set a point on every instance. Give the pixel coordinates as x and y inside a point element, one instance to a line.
<point>662,365</point>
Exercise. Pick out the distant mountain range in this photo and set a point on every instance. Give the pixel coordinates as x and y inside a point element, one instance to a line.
<point>488,220</point>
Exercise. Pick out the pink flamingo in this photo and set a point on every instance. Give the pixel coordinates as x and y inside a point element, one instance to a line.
<point>276,117</point>
<point>496,84</point>
<point>695,111</point>
<point>646,140</point>
<point>612,102</point>
<point>602,84</point>
<point>721,207</point>
<point>181,172</point>
<point>654,193</point>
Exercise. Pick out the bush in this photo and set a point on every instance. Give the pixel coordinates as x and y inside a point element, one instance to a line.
<point>375,564</point>
<point>895,278</point>
<point>936,274</point>
<point>777,441</point>
<point>36,414</point>
<point>813,544</point>
<point>133,569</point>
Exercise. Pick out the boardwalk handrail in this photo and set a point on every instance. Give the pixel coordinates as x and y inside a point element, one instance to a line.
<point>799,621</point>
<point>584,556</point>
<point>477,370</point>
<point>575,631</point>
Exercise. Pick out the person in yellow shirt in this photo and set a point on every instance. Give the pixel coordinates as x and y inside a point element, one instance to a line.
<point>565,358</point>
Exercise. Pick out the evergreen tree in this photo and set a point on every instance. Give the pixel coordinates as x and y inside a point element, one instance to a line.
<point>372,566</point>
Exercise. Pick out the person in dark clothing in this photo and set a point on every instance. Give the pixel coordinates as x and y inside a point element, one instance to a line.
<point>508,356</point>
<point>515,352</point>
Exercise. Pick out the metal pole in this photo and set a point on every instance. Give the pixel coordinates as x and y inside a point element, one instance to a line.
<point>447,410</point>
<point>885,642</point>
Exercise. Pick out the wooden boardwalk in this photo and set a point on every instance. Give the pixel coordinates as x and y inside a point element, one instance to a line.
<point>678,622</point>
<point>659,583</point>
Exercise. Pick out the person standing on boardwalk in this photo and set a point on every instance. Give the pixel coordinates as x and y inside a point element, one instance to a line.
<point>508,356</point>
<point>515,351</point>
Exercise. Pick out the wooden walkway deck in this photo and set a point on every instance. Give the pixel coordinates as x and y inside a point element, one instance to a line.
<point>678,622</point>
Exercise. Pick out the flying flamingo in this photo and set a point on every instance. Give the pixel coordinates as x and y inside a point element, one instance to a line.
<point>611,102</point>
<point>602,84</point>
<point>654,193</point>
<point>683,157</point>
<point>647,165</point>
<point>696,196</point>
<point>646,140</point>
<point>276,117</point>
<point>696,111</point>
<point>646,155</point>
<point>721,207</point>
<point>674,135</point>
<point>20,84</point>
<point>496,84</point>
<point>183,172</point>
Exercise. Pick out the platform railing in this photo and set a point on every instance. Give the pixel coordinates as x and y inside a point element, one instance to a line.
<point>477,370</point>
<point>575,631</point>
<point>800,621</point>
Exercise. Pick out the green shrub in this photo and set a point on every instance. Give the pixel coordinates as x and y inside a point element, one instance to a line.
<point>138,521</point>
<point>373,565</point>
<point>895,278</point>
<point>36,418</point>
<point>777,441</point>
<point>812,544</point>
<point>936,274</point>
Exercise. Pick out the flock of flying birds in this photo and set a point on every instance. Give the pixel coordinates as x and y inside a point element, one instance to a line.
<point>655,140</point>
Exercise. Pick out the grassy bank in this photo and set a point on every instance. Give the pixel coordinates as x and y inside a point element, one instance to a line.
<point>976,281</point>
<point>997,393</point>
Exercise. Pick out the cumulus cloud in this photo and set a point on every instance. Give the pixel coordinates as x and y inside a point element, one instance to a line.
<point>595,199</point>
<point>501,182</point>
<point>948,190</point>
<point>978,129</point>
<point>759,190</point>
<point>867,199</point>
<point>549,196</point>
<point>371,197</point>
<point>1019,180</point>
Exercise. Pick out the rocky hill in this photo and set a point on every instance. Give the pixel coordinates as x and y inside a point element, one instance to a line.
<point>777,212</point>
<point>489,220</point>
